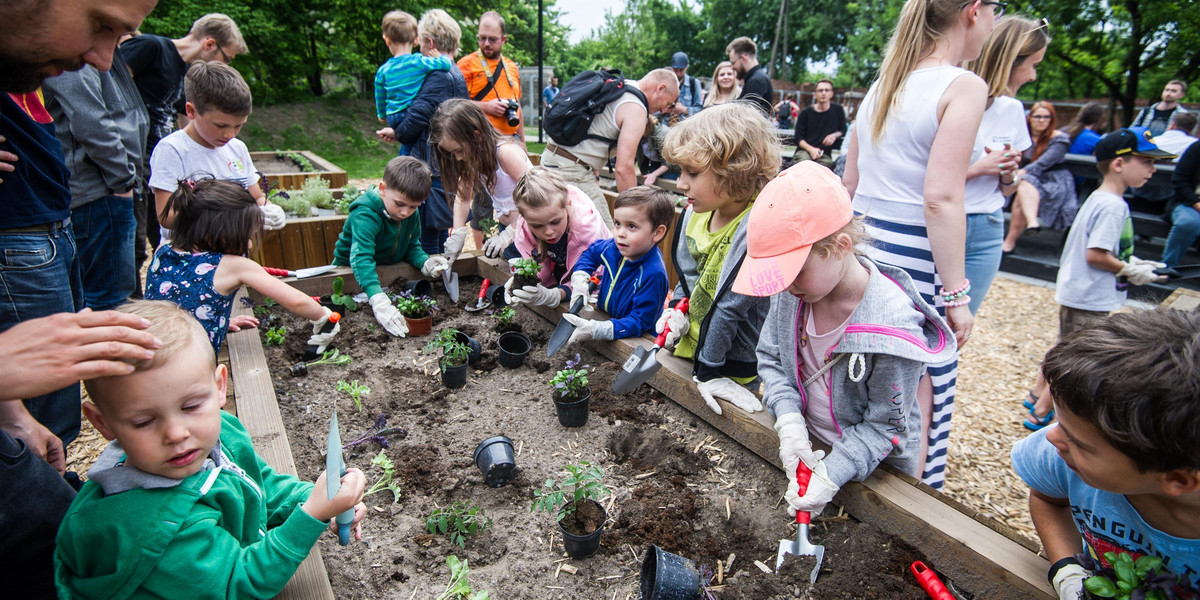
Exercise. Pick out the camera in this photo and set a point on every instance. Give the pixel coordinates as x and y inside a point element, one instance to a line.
<point>513,113</point>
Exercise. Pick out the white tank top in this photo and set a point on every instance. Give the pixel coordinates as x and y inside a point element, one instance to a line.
<point>894,169</point>
<point>502,193</point>
<point>597,152</point>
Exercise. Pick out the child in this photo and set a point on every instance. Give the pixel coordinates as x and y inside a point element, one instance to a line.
<point>727,154</point>
<point>1120,471</point>
<point>558,223</point>
<point>1097,262</point>
<point>384,228</point>
<point>398,79</point>
<point>842,352</point>
<point>202,267</point>
<point>180,500</point>
<point>217,108</point>
<point>635,283</point>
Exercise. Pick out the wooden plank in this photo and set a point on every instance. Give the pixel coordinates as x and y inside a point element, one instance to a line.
<point>260,414</point>
<point>322,284</point>
<point>1182,299</point>
<point>272,249</point>
<point>312,238</point>
<point>292,248</point>
<point>333,229</point>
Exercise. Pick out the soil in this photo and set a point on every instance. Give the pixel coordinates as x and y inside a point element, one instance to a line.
<point>276,165</point>
<point>520,281</point>
<point>676,482</point>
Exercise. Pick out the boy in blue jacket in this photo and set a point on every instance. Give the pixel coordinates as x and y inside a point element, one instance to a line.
<point>634,283</point>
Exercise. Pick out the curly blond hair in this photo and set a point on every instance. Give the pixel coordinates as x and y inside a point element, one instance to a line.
<point>735,141</point>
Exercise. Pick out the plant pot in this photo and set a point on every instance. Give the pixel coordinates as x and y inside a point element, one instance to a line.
<point>300,369</point>
<point>496,295</point>
<point>419,327</point>
<point>494,457</point>
<point>455,377</point>
<point>583,545</point>
<point>418,288</point>
<point>514,347</point>
<point>476,350</point>
<point>573,412</point>
<point>667,576</point>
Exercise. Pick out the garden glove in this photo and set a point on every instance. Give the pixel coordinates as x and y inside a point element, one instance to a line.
<point>435,266</point>
<point>580,288</point>
<point>273,216</point>
<point>729,390</point>
<point>1138,271</point>
<point>537,295</point>
<point>454,244</point>
<point>679,328</point>
<point>588,329</point>
<point>323,339</point>
<point>495,245</point>
<point>794,445</point>
<point>820,491</point>
<point>1068,581</point>
<point>388,315</point>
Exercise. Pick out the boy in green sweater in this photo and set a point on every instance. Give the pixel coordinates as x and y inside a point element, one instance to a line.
<point>384,228</point>
<point>179,502</point>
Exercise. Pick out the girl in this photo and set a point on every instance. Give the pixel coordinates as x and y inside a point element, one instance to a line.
<point>202,266</point>
<point>1085,130</point>
<point>557,222</point>
<point>924,110</point>
<point>842,353</point>
<point>482,169</point>
<point>1046,192</point>
<point>1009,60</point>
<point>725,85</point>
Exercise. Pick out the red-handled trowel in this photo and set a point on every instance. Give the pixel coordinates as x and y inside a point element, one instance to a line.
<point>801,546</point>
<point>642,364</point>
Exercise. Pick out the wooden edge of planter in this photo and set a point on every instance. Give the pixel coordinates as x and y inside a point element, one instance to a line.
<point>321,284</point>
<point>258,410</point>
<point>980,554</point>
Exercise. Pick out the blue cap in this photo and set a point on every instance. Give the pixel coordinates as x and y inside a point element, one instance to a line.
<point>1134,141</point>
<point>679,60</point>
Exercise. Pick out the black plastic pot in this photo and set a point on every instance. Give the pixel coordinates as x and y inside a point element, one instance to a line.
<point>583,546</point>
<point>573,413</point>
<point>455,377</point>
<point>494,457</point>
<point>475,349</point>
<point>419,287</point>
<point>667,576</point>
<point>496,295</point>
<point>514,347</point>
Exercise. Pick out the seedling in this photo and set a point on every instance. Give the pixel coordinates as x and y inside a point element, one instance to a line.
<point>504,317</point>
<point>459,588</point>
<point>1128,578</point>
<point>572,381</point>
<point>332,357</point>
<point>276,335</point>
<point>387,480</point>
<point>584,481</point>
<point>316,192</point>
<point>378,433</point>
<point>454,352</point>
<point>306,166</point>
<point>490,228</point>
<point>526,267</point>
<point>458,521</point>
<point>355,390</point>
<point>340,299</point>
<point>415,307</point>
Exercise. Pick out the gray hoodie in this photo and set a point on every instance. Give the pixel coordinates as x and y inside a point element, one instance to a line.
<point>891,335</point>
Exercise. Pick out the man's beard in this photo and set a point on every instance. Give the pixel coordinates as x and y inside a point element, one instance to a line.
<point>18,75</point>
<point>490,55</point>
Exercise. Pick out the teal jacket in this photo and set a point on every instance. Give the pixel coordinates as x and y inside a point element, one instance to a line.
<point>233,530</point>
<point>370,237</point>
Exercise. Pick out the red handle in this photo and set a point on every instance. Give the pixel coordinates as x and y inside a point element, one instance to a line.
<point>276,272</point>
<point>662,337</point>
<point>484,288</point>
<point>929,582</point>
<point>803,474</point>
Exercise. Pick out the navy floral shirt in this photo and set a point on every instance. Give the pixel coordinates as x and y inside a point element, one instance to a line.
<point>187,280</point>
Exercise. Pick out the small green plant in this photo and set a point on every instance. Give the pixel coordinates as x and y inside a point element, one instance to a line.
<point>504,317</point>
<point>356,391</point>
<point>276,335</point>
<point>572,381</point>
<point>458,521</point>
<point>454,352</point>
<point>332,357</point>
<point>459,588</point>
<point>1128,578</point>
<point>340,299</point>
<point>387,480</point>
<point>526,267</point>
<point>490,227</point>
<point>293,203</point>
<point>415,307</point>
<point>350,193</point>
<point>584,481</point>
<point>306,166</point>
<point>316,191</point>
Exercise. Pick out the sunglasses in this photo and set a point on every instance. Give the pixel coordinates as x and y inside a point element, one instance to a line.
<point>224,57</point>
<point>1000,6</point>
<point>487,39</point>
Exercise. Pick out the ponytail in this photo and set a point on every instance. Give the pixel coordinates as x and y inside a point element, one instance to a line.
<point>213,215</point>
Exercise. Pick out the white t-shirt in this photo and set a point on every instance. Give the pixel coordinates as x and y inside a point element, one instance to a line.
<point>1102,222</point>
<point>178,157</point>
<point>1003,123</point>
<point>1174,141</point>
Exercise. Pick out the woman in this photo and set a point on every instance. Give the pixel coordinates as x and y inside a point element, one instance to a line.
<point>1009,60</point>
<point>1084,131</point>
<point>1046,189</point>
<point>725,85</point>
<point>481,168</point>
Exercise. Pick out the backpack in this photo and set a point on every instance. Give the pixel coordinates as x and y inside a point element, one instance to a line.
<point>581,99</point>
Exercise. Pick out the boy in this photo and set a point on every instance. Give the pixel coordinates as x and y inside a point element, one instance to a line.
<point>1097,262</point>
<point>398,80</point>
<point>1120,469</point>
<point>180,500</point>
<point>384,228</point>
<point>634,283</point>
<point>218,104</point>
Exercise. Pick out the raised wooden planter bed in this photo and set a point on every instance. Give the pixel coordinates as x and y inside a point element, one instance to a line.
<point>304,242</point>
<point>282,178</point>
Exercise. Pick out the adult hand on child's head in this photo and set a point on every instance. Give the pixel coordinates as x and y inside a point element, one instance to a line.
<point>435,266</point>
<point>388,315</point>
<point>820,492</point>
<point>679,327</point>
<point>240,322</point>
<point>495,245</point>
<point>537,295</point>
<point>454,244</point>
<point>273,216</point>
<point>728,390</point>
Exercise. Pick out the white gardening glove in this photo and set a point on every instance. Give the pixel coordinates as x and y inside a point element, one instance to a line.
<point>588,329</point>
<point>273,216</point>
<point>794,445</point>
<point>1068,582</point>
<point>679,328</point>
<point>536,295</point>
<point>323,339</point>
<point>454,244</point>
<point>580,282</point>
<point>435,266</point>
<point>388,315</point>
<point>820,491</point>
<point>495,245</point>
<point>1138,271</point>
<point>729,390</point>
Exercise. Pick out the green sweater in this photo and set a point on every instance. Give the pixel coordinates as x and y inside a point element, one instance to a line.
<point>238,533</point>
<point>370,237</point>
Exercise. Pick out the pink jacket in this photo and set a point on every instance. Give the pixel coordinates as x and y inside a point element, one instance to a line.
<point>586,227</point>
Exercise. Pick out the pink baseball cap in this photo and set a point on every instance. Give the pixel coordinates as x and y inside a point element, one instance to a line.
<point>803,205</point>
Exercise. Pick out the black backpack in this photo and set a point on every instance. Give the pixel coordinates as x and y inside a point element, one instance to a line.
<point>585,96</point>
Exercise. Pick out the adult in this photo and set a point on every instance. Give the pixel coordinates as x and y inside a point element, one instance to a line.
<point>1178,137</point>
<point>615,131</point>
<point>786,112</point>
<point>549,93</point>
<point>691,93</point>
<point>1008,61</point>
<point>437,34</point>
<point>1085,130</point>
<point>924,110</point>
<point>1183,211</point>
<point>158,65</point>
<point>756,86</point>
<point>1157,117</point>
<point>820,127</point>
<point>494,80</point>
<point>1046,191</point>
<point>725,85</point>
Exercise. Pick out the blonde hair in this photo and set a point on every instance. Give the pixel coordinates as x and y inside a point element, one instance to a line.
<point>439,26</point>
<point>735,141</point>
<point>1011,43</point>
<point>221,29</point>
<point>742,46</point>
<point>399,27</point>
<point>829,246</point>
<point>715,94</point>
<point>537,188</point>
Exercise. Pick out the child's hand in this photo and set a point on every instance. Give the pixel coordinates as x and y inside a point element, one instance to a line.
<point>960,320</point>
<point>321,508</point>
<point>240,322</point>
<point>588,329</point>
<point>360,511</point>
<point>537,295</point>
<point>495,245</point>
<point>728,390</point>
<point>581,288</point>
<point>819,493</point>
<point>679,328</point>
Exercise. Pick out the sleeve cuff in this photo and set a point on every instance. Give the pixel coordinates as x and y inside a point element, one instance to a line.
<point>602,330</point>
<point>704,372</point>
<point>299,533</point>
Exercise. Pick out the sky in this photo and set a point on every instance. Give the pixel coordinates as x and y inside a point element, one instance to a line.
<point>582,16</point>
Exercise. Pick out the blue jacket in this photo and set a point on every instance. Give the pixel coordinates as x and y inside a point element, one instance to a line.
<point>631,291</point>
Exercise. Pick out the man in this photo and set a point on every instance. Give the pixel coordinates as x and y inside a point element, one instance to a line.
<point>549,93</point>
<point>492,79</point>
<point>691,95</point>
<point>616,131</point>
<point>820,127</point>
<point>756,86</point>
<point>1178,136</point>
<point>1157,117</point>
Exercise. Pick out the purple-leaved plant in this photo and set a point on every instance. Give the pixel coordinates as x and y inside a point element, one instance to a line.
<point>378,433</point>
<point>571,381</point>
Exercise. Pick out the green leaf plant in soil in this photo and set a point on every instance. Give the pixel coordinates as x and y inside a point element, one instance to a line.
<point>459,588</point>
<point>454,352</point>
<point>332,357</point>
<point>584,481</point>
<point>275,336</point>
<point>355,390</point>
<point>460,520</point>
<point>415,307</point>
<point>1129,579</point>
<point>504,317</point>
<point>571,383</point>
<point>386,481</point>
<point>341,299</point>
<point>525,272</point>
<point>490,227</point>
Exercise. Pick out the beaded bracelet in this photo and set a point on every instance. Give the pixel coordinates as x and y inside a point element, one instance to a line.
<point>961,291</point>
<point>965,300</point>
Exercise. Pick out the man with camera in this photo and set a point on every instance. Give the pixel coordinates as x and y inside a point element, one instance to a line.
<point>493,81</point>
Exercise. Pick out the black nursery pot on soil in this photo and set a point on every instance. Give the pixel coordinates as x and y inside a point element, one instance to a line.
<point>494,457</point>
<point>667,576</point>
<point>456,376</point>
<point>581,527</point>
<point>573,410</point>
<point>514,347</point>
<point>475,351</point>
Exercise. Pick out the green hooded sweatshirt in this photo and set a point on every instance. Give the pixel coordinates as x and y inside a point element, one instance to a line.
<point>233,530</point>
<point>371,237</point>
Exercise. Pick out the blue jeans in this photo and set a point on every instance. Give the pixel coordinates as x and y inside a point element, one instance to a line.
<point>1185,228</point>
<point>436,219</point>
<point>39,276</point>
<point>985,234</point>
<point>33,502</point>
<point>104,233</point>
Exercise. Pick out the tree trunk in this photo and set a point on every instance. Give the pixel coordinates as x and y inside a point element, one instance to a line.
<point>775,44</point>
<point>313,76</point>
<point>1133,67</point>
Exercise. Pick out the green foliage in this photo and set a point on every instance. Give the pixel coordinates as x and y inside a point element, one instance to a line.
<point>459,588</point>
<point>458,521</point>
<point>387,480</point>
<point>489,226</point>
<point>275,336</point>
<point>415,307</point>
<point>341,299</point>
<point>527,267</point>
<point>292,203</point>
<point>316,191</point>
<point>355,390</point>
<point>332,357</point>
<point>584,481</point>
<point>504,316</point>
<point>454,352</point>
<point>572,381</point>
<point>350,193</point>
<point>1129,578</point>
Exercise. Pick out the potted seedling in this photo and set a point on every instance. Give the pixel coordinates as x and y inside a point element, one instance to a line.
<point>355,390</point>
<point>449,336</point>
<point>576,500</point>
<point>456,356</point>
<point>525,272</point>
<point>1127,578</point>
<point>328,357</point>
<point>504,320</point>
<point>458,521</point>
<point>571,393</point>
<point>340,302</point>
<point>275,336</point>
<point>418,312</point>
<point>459,588</point>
